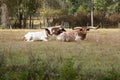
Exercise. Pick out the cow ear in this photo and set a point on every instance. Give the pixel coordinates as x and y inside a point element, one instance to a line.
<point>47,31</point>
<point>63,29</point>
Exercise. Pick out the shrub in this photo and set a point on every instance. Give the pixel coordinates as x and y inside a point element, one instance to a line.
<point>68,72</point>
<point>115,19</point>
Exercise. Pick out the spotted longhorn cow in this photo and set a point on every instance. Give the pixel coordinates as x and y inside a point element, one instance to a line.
<point>74,35</point>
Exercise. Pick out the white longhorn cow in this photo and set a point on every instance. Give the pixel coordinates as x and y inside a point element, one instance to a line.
<point>42,35</point>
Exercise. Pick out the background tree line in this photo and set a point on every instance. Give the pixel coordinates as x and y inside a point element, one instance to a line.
<point>67,12</point>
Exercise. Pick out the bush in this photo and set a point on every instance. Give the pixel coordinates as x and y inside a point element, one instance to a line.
<point>68,72</point>
<point>114,19</point>
<point>82,19</point>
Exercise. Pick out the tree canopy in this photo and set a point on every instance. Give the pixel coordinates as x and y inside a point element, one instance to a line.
<point>21,9</point>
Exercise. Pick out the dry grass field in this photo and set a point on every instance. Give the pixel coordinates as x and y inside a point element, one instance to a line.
<point>95,58</point>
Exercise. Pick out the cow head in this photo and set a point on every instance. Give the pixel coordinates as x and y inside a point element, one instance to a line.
<point>82,31</point>
<point>57,31</point>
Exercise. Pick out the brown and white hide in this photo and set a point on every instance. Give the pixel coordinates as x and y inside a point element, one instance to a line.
<point>74,35</point>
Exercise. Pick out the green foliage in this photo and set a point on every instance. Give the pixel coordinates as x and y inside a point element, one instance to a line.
<point>107,6</point>
<point>2,66</point>
<point>68,72</point>
<point>32,6</point>
<point>21,10</point>
<point>101,5</point>
<point>112,75</point>
<point>75,5</point>
<point>114,8</point>
<point>81,9</point>
<point>42,69</point>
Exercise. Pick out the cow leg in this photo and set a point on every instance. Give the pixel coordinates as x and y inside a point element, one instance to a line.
<point>44,39</point>
<point>29,39</point>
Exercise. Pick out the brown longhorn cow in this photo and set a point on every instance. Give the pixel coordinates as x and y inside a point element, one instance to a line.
<point>79,33</point>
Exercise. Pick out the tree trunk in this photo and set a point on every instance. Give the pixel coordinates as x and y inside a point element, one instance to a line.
<point>4,16</point>
<point>24,22</point>
<point>92,7</point>
<point>30,22</point>
<point>20,19</point>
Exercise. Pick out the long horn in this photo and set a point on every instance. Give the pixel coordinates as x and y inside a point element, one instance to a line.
<point>77,28</point>
<point>51,27</point>
<point>92,27</point>
<point>58,26</point>
<point>43,28</point>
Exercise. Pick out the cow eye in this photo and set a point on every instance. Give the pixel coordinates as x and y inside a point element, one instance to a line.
<point>80,29</point>
<point>88,29</point>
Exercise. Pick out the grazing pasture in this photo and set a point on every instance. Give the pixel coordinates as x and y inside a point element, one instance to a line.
<point>95,58</point>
